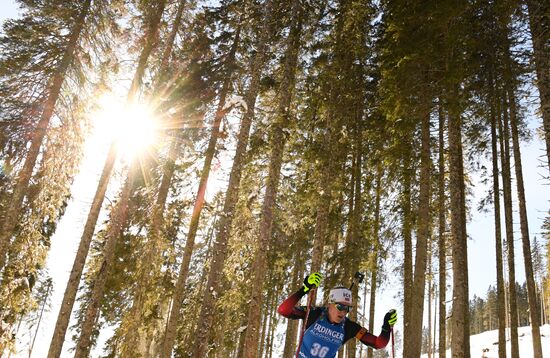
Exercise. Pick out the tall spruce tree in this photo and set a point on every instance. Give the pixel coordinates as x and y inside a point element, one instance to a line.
<point>45,105</point>
<point>152,20</point>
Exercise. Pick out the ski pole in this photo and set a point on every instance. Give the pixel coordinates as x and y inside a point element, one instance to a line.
<point>392,343</point>
<point>309,300</point>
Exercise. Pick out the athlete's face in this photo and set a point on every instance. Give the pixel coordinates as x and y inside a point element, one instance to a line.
<point>337,312</point>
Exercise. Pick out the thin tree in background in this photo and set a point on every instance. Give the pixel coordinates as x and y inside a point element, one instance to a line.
<point>454,72</point>
<point>423,234</point>
<point>540,31</point>
<point>278,141</point>
<point>116,226</point>
<point>501,307</point>
<point>460,331</point>
<point>376,231</point>
<point>232,192</point>
<point>504,138</point>
<point>442,244</point>
<point>525,239</point>
<point>132,323</point>
<point>179,290</point>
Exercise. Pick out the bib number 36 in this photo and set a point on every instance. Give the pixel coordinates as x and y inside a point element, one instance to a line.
<point>318,350</point>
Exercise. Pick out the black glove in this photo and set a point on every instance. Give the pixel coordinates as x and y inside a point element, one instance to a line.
<point>312,281</point>
<point>389,320</point>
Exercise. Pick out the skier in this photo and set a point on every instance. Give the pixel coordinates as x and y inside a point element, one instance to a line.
<point>327,327</point>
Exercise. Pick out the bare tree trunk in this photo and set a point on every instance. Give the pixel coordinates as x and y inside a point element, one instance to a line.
<point>372,304</point>
<point>132,322</point>
<point>498,239</point>
<point>272,325</point>
<point>363,313</point>
<point>321,219</point>
<point>434,339</point>
<point>430,303</point>
<point>292,325</point>
<point>408,250</point>
<point>116,226</point>
<point>259,265</point>
<point>525,239</point>
<point>261,338</point>
<point>353,245</point>
<point>540,30</point>
<point>78,266</point>
<point>507,184</point>
<point>220,247</point>
<point>442,244</point>
<point>460,315</point>
<point>423,234</point>
<point>12,212</point>
<point>83,248</point>
<point>179,290</point>
<point>40,317</point>
<point>374,275</point>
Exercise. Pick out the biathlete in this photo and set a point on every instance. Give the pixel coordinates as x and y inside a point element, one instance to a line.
<point>327,327</point>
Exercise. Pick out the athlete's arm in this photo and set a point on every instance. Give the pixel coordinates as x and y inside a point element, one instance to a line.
<point>352,329</point>
<point>289,309</point>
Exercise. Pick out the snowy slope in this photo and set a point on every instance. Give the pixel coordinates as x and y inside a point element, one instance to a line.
<point>486,344</point>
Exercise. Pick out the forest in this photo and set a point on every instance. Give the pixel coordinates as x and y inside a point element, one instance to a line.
<point>244,144</point>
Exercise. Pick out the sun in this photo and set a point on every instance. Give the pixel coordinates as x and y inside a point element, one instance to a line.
<point>133,127</point>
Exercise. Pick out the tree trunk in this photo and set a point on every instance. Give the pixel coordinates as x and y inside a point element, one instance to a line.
<point>291,333</point>
<point>12,212</point>
<point>355,222</point>
<point>423,233</point>
<point>441,239</point>
<point>540,30</point>
<point>78,266</point>
<point>179,290</point>
<point>323,208</point>
<point>372,303</point>
<point>506,183</point>
<point>434,337</point>
<point>80,259</point>
<point>407,243</point>
<point>374,276</point>
<point>259,265</point>
<point>460,329</point>
<point>153,26</point>
<point>501,307</point>
<point>261,338</point>
<point>132,322</point>
<point>40,317</point>
<point>430,299</point>
<point>525,239</point>
<point>232,193</point>
<point>116,226</point>
<point>165,60</point>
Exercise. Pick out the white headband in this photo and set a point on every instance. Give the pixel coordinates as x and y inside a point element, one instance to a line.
<point>340,295</point>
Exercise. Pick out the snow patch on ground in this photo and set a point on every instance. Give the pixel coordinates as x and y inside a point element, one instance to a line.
<point>485,344</point>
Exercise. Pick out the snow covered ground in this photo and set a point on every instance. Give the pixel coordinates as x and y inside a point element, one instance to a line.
<point>485,345</point>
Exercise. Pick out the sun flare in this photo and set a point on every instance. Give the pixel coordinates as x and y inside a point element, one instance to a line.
<point>133,127</point>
